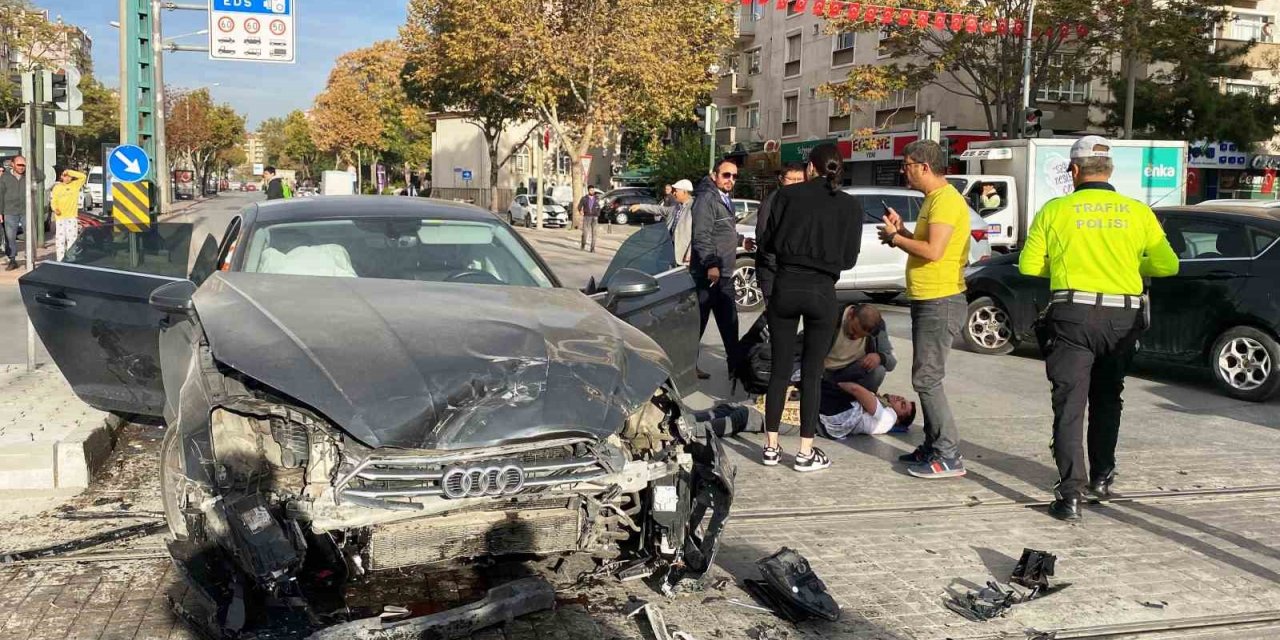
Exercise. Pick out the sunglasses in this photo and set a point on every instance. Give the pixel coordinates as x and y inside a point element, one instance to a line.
<point>729,176</point>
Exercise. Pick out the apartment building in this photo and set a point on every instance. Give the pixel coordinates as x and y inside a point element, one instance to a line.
<point>771,111</point>
<point>70,44</point>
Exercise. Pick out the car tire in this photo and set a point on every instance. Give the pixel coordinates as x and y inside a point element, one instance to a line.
<point>621,217</point>
<point>882,297</point>
<point>1244,361</point>
<point>988,329</point>
<point>746,285</point>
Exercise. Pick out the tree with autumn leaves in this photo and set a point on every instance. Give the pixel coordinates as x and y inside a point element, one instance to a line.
<point>201,135</point>
<point>582,67</point>
<point>363,115</point>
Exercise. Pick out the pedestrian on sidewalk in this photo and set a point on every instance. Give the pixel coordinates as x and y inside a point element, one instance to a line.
<point>13,205</point>
<point>589,207</point>
<point>276,187</point>
<point>65,201</point>
<point>766,263</point>
<point>715,251</point>
<point>815,231</point>
<point>680,220</point>
<point>937,253</point>
<point>1095,246</point>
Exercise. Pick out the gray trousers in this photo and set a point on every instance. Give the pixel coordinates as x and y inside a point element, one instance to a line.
<point>589,225</point>
<point>934,327</point>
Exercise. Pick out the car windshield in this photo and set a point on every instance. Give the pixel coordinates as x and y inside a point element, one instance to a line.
<point>546,201</point>
<point>395,248</point>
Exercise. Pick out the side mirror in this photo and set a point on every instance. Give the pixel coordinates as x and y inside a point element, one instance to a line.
<point>174,297</point>
<point>630,283</point>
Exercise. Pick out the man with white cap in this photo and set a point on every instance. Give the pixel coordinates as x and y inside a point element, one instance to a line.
<point>1095,246</point>
<point>679,222</point>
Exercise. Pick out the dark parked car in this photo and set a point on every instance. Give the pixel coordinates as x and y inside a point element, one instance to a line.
<point>615,206</point>
<point>347,388</point>
<point>1220,312</point>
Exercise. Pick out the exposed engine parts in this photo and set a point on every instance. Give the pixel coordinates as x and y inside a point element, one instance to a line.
<point>282,490</point>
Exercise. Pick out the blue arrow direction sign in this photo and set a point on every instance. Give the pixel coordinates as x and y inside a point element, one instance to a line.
<point>129,163</point>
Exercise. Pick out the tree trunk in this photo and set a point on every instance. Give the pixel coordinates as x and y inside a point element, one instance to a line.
<point>493,172</point>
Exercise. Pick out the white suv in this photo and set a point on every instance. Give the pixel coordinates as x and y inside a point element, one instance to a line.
<point>881,272</point>
<point>94,186</point>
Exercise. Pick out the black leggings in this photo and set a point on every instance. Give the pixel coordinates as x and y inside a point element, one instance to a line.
<point>799,293</point>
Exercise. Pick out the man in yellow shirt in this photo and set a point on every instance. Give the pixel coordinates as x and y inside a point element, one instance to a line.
<point>66,210</point>
<point>1095,246</point>
<point>937,250</point>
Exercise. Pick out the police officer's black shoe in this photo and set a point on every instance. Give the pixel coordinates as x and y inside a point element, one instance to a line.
<point>1101,486</point>
<point>1066,509</point>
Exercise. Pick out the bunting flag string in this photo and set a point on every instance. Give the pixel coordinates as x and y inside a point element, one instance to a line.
<point>924,19</point>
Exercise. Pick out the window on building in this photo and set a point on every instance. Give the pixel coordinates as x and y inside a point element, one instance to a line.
<point>753,116</point>
<point>757,12</point>
<point>1068,88</point>
<point>900,99</point>
<point>790,115</point>
<point>731,63</point>
<point>1245,26</point>
<point>838,119</point>
<point>729,117</point>
<point>842,49</point>
<point>793,56</point>
<point>753,62</point>
<point>882,39</point>
<point>791,8</point>
<point>522,160</point>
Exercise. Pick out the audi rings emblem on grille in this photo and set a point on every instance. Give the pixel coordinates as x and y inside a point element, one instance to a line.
<point>476,482</point>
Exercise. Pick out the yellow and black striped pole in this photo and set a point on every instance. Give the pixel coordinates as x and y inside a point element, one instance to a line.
<point>131,205</point>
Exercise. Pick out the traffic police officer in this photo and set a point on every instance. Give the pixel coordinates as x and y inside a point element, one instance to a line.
<point>1095,246</point>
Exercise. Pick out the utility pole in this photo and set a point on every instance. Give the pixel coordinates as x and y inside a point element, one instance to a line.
<point>540,154</point>
<point>32,122</point>
<point>1026,56</point>
<point>161,156</point>
<point>1131,72</point>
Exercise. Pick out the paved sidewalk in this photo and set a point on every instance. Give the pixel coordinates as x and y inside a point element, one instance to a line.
<point>48,438</point>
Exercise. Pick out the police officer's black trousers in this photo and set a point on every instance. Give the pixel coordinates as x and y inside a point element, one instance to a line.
<point>1089,351</point>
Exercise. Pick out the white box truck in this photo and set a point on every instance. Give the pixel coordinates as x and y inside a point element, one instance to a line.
<point>1028,173</point>
<point>337,183</point>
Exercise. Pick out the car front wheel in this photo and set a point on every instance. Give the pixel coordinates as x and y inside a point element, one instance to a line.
<point>1244,362</point>
<point>746,285</point>
<point>988,329</point>
<point>621,217</point>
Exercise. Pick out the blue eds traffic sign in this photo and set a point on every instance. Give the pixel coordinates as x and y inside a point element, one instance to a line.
<point>129,163</point>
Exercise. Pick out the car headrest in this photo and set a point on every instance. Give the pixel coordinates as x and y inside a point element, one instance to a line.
<point>1234,244</point>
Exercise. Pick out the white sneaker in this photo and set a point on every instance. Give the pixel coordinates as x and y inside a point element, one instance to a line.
<point>771,456</point>
<point>815,461</point>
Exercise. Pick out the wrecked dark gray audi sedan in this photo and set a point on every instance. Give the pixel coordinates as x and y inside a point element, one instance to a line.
<point>358,384</point>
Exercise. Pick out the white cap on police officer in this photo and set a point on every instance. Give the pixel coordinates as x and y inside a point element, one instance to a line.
<point>1086,148</point>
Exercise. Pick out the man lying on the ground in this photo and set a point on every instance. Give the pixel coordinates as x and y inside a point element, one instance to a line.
<point>861,354</point>
<point>866,414</point>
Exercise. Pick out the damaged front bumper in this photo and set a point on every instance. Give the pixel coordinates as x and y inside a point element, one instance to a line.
<point>280,489</point>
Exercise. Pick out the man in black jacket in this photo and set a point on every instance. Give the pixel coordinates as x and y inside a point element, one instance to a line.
<point>275,188</point>
<point>861,353</point>
<point>715,249</point>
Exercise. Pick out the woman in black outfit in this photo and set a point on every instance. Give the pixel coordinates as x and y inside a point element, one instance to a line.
<point>815,232</point>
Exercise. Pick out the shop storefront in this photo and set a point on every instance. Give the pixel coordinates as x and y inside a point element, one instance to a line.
<point>1253,184</point>
<point>877,159</point>
<point>1210,165</point>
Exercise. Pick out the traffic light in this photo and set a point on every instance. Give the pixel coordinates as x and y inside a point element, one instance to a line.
<point>63,90</point>
<point>1031,122</point>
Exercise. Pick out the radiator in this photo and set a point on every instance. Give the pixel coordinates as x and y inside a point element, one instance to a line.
<point>471,535</point>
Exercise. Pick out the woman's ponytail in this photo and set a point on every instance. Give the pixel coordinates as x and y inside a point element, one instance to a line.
<point>828,164</point>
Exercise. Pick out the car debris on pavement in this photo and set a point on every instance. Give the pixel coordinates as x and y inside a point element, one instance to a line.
<point>1029,581</point>
<point>790,588</point>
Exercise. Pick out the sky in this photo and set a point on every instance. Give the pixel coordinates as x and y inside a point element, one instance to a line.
<point>325,28</point>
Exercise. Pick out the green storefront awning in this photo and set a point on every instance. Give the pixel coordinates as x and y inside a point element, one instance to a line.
<point>799,151</point>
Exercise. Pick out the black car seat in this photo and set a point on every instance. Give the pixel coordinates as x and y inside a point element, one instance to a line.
<point>1177,241</point>
<point>1233,244</point>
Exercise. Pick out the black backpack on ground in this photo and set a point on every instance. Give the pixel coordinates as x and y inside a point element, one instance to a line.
<point>757,362</point>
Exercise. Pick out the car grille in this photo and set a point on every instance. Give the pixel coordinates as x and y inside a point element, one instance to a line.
<point>402,477</point>
<point>475,533</point>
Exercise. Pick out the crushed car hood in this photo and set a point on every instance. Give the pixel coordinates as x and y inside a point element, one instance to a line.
<point>420,365</point>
